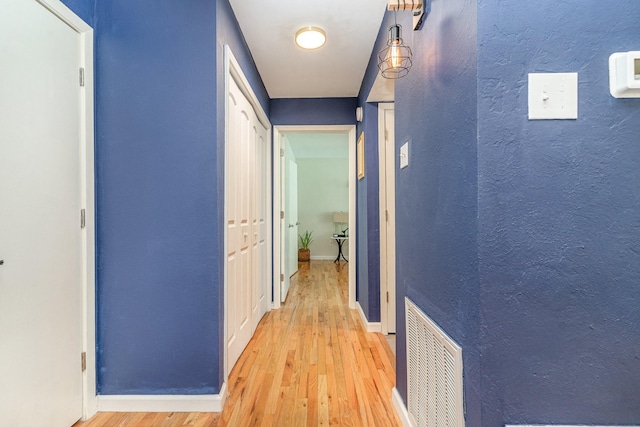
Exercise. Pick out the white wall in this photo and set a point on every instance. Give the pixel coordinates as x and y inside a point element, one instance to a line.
<point>323,188</point>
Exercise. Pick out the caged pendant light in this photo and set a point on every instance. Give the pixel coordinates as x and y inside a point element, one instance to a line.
<point>394,60</point>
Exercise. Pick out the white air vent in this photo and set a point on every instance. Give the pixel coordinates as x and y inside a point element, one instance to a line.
<point>434,371</point>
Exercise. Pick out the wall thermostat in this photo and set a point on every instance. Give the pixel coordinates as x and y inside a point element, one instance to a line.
<point>624,74</point>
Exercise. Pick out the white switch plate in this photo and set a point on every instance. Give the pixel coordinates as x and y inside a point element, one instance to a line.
<point>404,155</point>
<point>553,96</point>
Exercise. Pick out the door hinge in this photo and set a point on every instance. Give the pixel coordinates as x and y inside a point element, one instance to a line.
<point>282,277</point>
<point>281,214</point>
<point>282,152</point>
<point>386,135</point>
<point>386,215</point>
<point>387,297</point>
<point>81,76</point>
<point>83,218</point>
<point>83,360</point>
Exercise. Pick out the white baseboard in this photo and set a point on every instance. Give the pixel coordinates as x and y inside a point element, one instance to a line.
<point>163,403</point>
<point>369,326</point>
<point>560,425</point>
<point>401,410</point>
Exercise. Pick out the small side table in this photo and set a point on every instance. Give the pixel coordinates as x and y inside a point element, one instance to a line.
<point>340,241</point>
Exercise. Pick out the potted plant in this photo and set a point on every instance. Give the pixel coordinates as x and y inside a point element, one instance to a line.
<point>304,254</point>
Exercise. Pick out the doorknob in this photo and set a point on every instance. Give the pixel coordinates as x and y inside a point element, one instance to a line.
<point>1,262</point>
<point>290,225</point>
<point>298,223</point>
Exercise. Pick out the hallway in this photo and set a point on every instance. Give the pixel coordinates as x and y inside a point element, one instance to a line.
<point>309,363</point>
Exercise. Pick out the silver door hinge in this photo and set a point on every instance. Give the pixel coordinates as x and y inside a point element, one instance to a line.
<point>83,360</point>
<point>386,215</point>
<point>281,214</point>
<point>282,277</point>
<point>387,297</point>
<point>81,76</point>
<point>386,135</point>
<point>83,219</point>
<point>282,152</point>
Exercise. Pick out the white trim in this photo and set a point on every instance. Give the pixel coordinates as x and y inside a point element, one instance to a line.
<point>401,409</point>
<point>369,326</point>
<point>232,70</point>
<point>382,199</point>
<point>87,165</point>
<point>277,178</point>
<point>163,403</point>
<point>278,221</point>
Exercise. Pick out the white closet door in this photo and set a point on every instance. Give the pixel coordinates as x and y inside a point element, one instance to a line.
<point>247,277</point>
<point>40,235</point>
<point>387,219</point>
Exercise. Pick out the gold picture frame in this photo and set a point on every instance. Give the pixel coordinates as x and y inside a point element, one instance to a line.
<point>360,147</point>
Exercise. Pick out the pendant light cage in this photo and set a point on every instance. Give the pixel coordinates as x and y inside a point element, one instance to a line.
<point>394,60</point>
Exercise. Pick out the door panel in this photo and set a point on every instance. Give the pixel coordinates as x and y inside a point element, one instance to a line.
<point>387,219</point>
<point>247,273</point>
<point>40,235</point>
<point>291,224</point>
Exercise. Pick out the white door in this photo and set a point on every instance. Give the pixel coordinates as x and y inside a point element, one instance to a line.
<point>247,276</point>
<point>40,236</point>
<point>259,226</point>
<point>387,218</point>
<point>291,224</point>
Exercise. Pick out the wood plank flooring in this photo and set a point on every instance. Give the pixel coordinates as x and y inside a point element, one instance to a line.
<point>310,363</point>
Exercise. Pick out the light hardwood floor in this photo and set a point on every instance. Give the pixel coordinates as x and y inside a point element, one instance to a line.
<point>309,363</point>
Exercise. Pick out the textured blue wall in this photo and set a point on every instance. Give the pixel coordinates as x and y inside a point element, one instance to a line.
<point>228,33</point>
<point>368,239</point>
<point>368,209</point>
<point>313,111</point>
<point>83,8</point>
<point>436,196</point>
<point>156,171</point>
<point>559,228</point>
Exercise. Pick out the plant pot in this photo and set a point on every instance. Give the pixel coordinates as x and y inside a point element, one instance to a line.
<point>304,255</point>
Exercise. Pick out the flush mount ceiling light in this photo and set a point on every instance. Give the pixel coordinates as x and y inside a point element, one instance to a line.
<point>310,37</point>
<point>394,60</point>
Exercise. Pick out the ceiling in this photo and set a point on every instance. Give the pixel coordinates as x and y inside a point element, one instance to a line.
<point>334,70</point>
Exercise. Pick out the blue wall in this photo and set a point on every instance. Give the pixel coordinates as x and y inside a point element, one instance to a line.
<point>436,196</point>
<point>83,8</point>
<point>160,157</point>
<point>156,166</point>
<point>559,228</point>
<point>368,270</point>
<point>313,111</point>
<point>368,217</point>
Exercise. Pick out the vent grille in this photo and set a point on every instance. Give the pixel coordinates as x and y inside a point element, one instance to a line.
<point>434,370</point>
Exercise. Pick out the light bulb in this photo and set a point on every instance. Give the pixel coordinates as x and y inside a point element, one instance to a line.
<point>395,56</point>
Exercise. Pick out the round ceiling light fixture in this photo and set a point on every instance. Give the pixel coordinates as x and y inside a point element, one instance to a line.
<point>311,37</point>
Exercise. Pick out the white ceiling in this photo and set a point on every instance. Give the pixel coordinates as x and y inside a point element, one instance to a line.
<point>334,70</point>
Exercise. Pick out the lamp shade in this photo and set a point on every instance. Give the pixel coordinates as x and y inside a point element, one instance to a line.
<point>341,217</point>
<point>394,60</point>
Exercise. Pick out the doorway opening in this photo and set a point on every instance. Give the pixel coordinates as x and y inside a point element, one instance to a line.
<point>287,219</point>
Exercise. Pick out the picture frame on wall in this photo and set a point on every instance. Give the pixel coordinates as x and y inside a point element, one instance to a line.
<point>360,148</point>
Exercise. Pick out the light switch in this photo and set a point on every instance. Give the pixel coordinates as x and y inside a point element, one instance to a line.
<point>553,96</point>
<point>404,155</point>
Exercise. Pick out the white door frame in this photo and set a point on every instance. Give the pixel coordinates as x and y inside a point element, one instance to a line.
<point>87,201</point>
<point>278,269</point>
<point>233,71</point>
<point>384,318</point>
